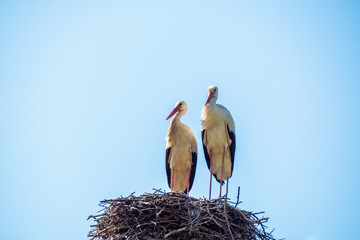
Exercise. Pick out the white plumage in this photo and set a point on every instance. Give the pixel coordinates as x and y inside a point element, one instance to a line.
<point>218,138</point>
<point>181,152</point>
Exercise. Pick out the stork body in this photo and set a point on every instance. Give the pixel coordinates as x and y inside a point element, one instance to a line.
<point>181,152</point>
<point>218,138</point>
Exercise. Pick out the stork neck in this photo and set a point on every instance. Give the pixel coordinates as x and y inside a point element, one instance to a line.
<point>213,100</point>
<point>212,103</point>
<point>177,117</point>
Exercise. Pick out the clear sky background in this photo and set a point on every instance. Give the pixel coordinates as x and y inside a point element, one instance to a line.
<point>85,87</point>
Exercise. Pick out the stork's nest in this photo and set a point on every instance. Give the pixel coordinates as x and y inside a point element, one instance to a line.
<point>175,216</point>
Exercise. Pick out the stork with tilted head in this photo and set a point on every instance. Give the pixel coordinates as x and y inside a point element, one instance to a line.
<point>218,138</point>
<point>181,152</point>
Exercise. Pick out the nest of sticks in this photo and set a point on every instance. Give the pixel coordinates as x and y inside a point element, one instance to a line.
<point>175,216</point>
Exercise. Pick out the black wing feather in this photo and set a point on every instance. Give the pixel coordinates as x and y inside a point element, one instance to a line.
<point>193,169</point>
<point>206,153</point>
<point>232,147</point>
<point>167,166</point>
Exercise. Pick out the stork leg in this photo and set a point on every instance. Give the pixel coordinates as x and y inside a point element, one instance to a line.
<point>172,180</point>
<point>187,183</point>
<point>210,173</point>
<point>222,170</point>
<point>227,185</point>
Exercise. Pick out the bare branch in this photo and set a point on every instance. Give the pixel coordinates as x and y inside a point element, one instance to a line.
<point>175,216</point>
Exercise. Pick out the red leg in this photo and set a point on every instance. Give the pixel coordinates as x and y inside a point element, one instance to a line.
<point>172,180</point>
<point>188,184</point>
<point>210,173</point>
<point>222,169</point>
<point>227,186</point>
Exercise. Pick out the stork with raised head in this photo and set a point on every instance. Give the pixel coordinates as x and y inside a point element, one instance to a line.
<point>181,152</point>
<point>218,138</point>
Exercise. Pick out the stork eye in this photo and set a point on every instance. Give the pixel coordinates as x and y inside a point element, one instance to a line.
<point>215,90</point>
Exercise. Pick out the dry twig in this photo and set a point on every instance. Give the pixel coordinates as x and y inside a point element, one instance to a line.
<point>175,216</point>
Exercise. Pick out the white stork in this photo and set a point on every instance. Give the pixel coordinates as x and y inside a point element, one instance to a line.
<point>218,138</point>
<point>181,152</point>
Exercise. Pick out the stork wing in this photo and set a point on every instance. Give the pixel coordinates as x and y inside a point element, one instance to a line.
<point>167,166</point>
<point>193,169</point>
<point>232,147</point>
<point>206,153</point>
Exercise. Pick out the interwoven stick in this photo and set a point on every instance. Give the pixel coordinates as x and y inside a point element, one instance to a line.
<point>174,216</point>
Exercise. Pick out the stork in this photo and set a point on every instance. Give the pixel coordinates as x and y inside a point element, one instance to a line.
<point>218,138</point>
<point>181,152</point>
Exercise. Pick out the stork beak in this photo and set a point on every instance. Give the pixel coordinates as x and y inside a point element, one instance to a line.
<point>172,113</point>
<point>209,98</point>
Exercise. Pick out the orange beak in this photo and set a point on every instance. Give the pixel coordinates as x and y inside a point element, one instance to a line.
<point>172,113</point>
<point>209,98</point>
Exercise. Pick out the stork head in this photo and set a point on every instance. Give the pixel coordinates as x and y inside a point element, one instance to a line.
<point>180,107</point>
<point>213,94</point>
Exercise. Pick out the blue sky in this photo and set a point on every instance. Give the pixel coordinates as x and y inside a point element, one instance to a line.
<point>85,88</point>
